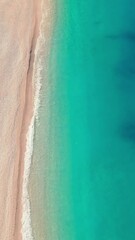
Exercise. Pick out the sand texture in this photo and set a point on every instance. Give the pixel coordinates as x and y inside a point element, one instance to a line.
<point>19,22</point>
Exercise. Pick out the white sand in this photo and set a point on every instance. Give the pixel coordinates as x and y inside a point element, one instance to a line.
<point>19,22</point>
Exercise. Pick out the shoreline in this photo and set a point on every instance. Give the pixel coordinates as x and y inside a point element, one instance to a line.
<point>39,224</point>
<point>19,33</point>
<point>28,122</point>
<point>15,39</point>
<point>23,40</point>
<point>41,46</point>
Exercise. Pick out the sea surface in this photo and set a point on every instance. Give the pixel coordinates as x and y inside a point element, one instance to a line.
<point>82,184</point>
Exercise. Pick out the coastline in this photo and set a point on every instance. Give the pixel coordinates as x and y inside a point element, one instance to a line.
<point>41,48</point>
<point>38,207</point>
<point>28,151</point>
<point>19,33</point>
<point>24,230</point>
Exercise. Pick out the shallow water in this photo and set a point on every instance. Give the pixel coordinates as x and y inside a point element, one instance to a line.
<point>85,144</point>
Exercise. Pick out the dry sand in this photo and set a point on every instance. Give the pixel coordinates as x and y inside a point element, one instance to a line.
<point>19,25</point>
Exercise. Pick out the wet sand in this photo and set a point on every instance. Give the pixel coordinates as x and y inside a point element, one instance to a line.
<point>19,28</point>
<point>38,178</point>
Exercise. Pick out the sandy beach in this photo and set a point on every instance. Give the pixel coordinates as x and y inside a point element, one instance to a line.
<point>19,30</point>
<point>40,223</point>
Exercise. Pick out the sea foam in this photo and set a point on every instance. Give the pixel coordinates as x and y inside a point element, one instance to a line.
<point>36,78</point>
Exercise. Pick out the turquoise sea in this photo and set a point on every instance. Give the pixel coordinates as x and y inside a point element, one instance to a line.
<point>85,143</point>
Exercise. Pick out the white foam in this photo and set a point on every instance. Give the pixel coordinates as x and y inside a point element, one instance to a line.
<point>37,77</point>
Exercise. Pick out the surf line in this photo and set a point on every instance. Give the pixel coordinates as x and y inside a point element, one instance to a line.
<point>36,80</point>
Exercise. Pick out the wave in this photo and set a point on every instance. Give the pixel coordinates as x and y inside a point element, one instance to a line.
<point>36,78</point>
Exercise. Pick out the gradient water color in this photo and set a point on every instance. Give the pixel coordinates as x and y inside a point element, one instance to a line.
<point>83,174</point>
